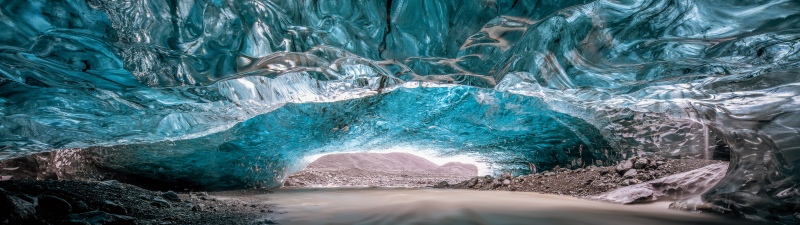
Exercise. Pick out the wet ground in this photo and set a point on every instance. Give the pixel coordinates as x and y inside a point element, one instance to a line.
<point>438,206</point>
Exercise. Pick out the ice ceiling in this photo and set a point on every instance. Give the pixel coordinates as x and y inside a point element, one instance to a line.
<point>233,93</point>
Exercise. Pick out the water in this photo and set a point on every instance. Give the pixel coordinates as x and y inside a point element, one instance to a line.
<point>438,206</point>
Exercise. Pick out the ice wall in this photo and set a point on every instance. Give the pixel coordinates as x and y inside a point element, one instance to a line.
<point>243,89</point>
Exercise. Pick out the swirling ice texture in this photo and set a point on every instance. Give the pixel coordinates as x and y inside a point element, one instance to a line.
<point>675,77</point>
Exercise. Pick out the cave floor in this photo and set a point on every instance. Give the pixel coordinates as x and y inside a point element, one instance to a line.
<point>447,206</point>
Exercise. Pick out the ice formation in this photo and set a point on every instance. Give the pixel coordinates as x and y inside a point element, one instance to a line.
<point>230,93</point>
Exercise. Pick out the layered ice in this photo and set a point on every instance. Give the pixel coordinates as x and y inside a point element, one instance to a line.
<point>234,93</point>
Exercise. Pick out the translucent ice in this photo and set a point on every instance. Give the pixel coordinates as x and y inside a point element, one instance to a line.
<point>241,90</point>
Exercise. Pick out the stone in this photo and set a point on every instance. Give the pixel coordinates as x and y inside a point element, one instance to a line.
<point>53,206</point>
<point>603,172</point>
<point>442,184</point>
<point>172,196</point>
<point>506,182</point>
<point>630,173</point>
<point>488,179</point>
<point>114,208</point>
<point>640,163</point>
<point>160,202</point>
<point>101,218</point>
<point>80,206</point>
<point>22,209</point>
<point>624,166</point>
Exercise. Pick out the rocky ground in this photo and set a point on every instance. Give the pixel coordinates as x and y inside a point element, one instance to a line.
<point>33,190</point>
<point>587,181</point>
<point>110,202</point>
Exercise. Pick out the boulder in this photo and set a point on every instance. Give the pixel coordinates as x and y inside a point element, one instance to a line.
<point>13,208</point>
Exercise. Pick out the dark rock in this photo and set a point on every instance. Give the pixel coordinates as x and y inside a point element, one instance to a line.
<point>80,207</point>
<point>21,208</point>
<point>113,208</point>
<point>172,196</point>
<point>442,184</point>
<point>488,179</point>
<point>472,182</point>
<point>53,206</point>
<point>160,202</point>
<point>15,210</point>
<point>101,218</point>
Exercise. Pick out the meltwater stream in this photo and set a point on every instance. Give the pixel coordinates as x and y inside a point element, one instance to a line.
<point>398,206</point>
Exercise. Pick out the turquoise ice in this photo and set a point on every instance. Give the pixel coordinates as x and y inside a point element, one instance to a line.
<point>229,94</point>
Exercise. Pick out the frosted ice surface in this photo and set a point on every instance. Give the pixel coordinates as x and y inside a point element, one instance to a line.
<point>241,89</point>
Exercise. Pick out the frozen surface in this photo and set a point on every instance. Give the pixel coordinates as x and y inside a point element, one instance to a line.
<point>234,93</point>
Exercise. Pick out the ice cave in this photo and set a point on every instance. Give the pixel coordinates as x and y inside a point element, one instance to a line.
<point>203,96</point>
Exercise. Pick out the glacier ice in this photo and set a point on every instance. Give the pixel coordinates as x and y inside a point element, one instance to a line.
<point>226,93</point>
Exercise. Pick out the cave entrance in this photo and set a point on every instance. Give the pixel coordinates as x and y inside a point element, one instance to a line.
<point>389,169</point>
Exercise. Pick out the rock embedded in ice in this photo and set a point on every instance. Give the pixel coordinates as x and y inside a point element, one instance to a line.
<point>672,187</point>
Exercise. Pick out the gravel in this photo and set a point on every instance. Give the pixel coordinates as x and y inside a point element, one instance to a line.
<point>587,181</point>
